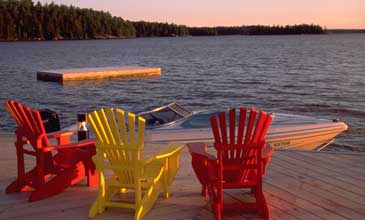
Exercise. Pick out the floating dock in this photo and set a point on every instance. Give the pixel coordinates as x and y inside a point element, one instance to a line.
<point>297,185</point>
<point>81,74</point>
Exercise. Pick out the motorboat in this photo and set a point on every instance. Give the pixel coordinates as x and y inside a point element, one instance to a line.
<point>174,123</point>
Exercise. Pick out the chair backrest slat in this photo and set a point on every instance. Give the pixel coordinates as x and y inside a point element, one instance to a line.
<point>215,129</point>
<point>141,127</point>
<point>10,105</point>
<point>232,126</point>
<point>106,127</point>
<point>223,129</point>
<point>241,130</point>
<point>265,128</point>
<point>98,126</point>
<point>258,128</point>
<point>250,125</point>
<point>232,131</point>
<point>37,122</point>
<point>131,125</point>
<point>121,124</point>
<point>28,128</point>
<point>113,126</point>
<point>92,119</point>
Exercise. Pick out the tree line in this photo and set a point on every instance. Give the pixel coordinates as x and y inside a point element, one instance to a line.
<point>26,20</point>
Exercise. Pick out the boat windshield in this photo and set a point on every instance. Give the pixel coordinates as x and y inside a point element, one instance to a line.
<point>165,115</point>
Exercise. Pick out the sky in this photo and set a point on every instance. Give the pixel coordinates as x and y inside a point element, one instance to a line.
<point>332,14</point>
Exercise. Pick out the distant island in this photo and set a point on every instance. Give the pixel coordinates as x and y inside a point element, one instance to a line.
<point>26,20</point>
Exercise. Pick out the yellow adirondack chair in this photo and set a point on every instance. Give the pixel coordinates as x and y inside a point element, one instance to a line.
<point>120,151</point>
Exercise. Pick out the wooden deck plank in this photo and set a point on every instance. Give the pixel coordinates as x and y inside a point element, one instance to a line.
<point>330,163</point>
<point>322,171</point>
<point>327,185</point>
<point>300,208</point>
<point>334,159</point>
<point>342,162</point>
<point>297,186</point>
<point>275,202</point>
<point>329,202</point>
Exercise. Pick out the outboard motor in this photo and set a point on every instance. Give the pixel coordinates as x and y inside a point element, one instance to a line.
<point>50,120</point>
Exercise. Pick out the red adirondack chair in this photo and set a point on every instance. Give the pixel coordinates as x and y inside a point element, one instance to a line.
<point>239,163</point>
<point>57,166</point>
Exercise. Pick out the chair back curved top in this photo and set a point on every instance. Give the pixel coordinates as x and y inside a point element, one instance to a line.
<point>30,124</point>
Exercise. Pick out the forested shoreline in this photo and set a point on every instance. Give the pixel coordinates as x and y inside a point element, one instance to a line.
<point>27,20</point>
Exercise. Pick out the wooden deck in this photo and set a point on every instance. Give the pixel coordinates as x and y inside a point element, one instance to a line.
<point>298,185</point>
<point>80,74</point>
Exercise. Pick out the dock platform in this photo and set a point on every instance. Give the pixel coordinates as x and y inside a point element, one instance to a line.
<point>80,74</point>
<point>297,185</point>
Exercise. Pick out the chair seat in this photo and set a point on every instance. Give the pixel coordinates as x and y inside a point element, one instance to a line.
<point>245,184</point>
<point>150,176</point>
<point>233,182</point>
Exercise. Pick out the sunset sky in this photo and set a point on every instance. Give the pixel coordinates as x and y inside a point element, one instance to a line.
<point>349,14</point>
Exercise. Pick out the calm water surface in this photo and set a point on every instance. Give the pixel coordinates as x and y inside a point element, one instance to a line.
<point>321,76</point>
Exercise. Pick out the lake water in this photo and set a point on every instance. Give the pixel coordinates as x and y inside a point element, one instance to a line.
<point>315,75</point>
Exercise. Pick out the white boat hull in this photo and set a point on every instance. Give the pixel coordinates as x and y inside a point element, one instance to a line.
<point>286,132</point>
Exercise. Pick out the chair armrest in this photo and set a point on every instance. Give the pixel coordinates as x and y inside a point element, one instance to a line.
<point>165,152</point>
<point>63,137</point>
<point>203,163</point>
<point>58,134</point>
<point>200,149</point>
<point>85,143</point>
<point>169,150</point>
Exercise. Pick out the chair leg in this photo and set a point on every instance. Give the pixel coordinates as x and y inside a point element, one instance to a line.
<point>20,184</point>
<point>219,208</point>
<point>199,164</point>
<point>264,210</point>
<point>165,178</point>
<point>261,203</point>
<point>204,191</point>
<point>90,169</point>
<point>148,200</point>
<point>218,212</point>
<point>96,208</point>
<point>171,166</point>
<point>59,183</point>
<point>98,205</point>
<point>92,177</point>
<point>16,186</point>
<point>215,204</point>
